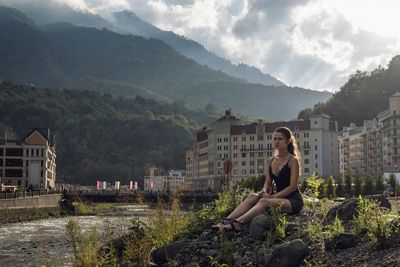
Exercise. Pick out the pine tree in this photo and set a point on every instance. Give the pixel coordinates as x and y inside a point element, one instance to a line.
<point>348,185</point>
<point>379,186</point>
<point>357,186</point>
<point>368,188</point>
<point>340,187</point>
<point>392,181</point>
<point>330,188</point>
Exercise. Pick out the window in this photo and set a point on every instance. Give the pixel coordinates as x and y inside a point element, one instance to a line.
<point>225,156</point>
<point>306,161</point>
<point>261,154</point>
<point>243,138</point>
<point>226,139</point>
<point>316,156</point>
<point>243,171</point>
<point>235,147</point>
<point>235,163</point>
<point>243,131</point>
<point>306,170</point>
<point>316,165</point>
<point>252,163</point>
<point>260,138</point>
<point>235,139</point>
<point>225,147</point>
<point>251,138</point>
<point>243,163</point>
<point>260,146</point>
<point>306,152</point>
<point>251,154</point>
<point>219,139</point>
<point>235,155</point>
<point>269,137</point>
<point>316,147</point>
<point>243,155</point>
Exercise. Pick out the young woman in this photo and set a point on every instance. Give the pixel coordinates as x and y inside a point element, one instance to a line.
<point>283,172</point>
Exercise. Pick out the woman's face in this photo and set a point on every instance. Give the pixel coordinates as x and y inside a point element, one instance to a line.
<point>280,140</point>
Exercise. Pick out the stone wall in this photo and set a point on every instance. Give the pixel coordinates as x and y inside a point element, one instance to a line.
<point>31,202</point>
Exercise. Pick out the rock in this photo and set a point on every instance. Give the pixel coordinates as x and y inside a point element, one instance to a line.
<point>342,241</point>
<point>290,228</point>
<point>163,254</point>
<point>348,209</point>
<point>258,227</point>
<point>288,254</point>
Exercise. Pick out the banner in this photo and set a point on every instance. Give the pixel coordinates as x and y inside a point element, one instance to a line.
<point>104,185</point>
<point>151,184</point>
<point>98,185</point>
<point>136,185</point>
<point>117,183</point>
<point>131,185</point>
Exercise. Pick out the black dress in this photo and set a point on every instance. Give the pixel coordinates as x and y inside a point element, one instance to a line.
<point>282,180</point>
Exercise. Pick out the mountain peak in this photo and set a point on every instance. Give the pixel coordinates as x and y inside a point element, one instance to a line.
<point>8,14</point>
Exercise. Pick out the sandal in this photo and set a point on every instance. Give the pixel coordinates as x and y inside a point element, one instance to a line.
<point>233,226</point>
<point>223,222</point>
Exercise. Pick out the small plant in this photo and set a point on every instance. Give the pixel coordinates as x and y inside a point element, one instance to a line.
<point>335,229</point>
<point>315,231</point>
<point>277,227</point>
<point>374,221</point>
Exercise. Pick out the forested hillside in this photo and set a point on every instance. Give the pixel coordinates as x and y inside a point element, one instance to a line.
<point>362,97</point>
<point>65,56</point>
<point>99,137</point>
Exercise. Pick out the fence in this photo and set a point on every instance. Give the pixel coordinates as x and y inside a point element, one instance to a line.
<point>24,194</point>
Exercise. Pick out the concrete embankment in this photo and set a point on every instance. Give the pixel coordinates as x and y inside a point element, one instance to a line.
<point>29,208</point>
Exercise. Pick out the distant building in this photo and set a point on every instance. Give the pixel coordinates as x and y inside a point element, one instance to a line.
<point>31,161</point>
<point>249,147</point>
<point>164,181</point>
<point>374,148</point>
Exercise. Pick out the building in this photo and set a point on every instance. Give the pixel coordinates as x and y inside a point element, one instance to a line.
<point>249,147</point>
<point>374,148</point>
<point>31,161</point>
<point>164,181</point>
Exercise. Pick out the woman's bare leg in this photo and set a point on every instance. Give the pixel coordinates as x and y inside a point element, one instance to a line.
<point>261,205</point>
<point>243,207</point>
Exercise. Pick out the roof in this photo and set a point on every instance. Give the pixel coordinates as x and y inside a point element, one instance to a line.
<point>248,128</point>
<point>301,125</point>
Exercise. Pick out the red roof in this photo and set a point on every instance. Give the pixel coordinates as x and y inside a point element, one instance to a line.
<point>201,136</point>
<point>292,125</point>
<point>237,129</point>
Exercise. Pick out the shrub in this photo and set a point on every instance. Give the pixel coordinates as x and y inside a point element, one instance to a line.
<point>375,222</point>
<point>334,229</point>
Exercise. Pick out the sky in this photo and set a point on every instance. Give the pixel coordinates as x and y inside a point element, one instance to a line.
<point>314,44</point>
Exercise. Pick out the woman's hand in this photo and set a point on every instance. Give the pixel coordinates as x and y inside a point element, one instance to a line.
<point>263,194</point>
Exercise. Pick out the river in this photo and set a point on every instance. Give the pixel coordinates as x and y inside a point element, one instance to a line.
<point>41,242</point>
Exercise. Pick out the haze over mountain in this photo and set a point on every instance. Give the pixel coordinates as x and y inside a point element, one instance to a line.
<point>46,12</point>
<point>63,55</point>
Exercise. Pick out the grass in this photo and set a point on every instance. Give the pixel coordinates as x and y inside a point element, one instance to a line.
<point>82,208</point>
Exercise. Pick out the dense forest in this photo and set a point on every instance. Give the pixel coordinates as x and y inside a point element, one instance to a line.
<point>362,97</point>
<point>66,56</point>
<point>99,137</point>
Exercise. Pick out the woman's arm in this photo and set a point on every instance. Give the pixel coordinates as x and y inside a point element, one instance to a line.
<point>267,188</point>
<point>294,178</point>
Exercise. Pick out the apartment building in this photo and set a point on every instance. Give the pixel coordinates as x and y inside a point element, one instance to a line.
<point>164,181</point>
<point>249,147</point>
<point>31,161</point>
<point>374,148</point>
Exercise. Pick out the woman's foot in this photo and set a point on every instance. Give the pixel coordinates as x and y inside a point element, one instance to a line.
<point>221,224</point>
<point>233,225</point>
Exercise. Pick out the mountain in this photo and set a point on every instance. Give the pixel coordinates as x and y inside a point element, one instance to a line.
<point>362,97</point>
<point>66,56</point>
<point>129,22</point>
<point>49,11</point>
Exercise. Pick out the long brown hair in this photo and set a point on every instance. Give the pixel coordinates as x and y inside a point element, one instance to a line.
<point>292,146</point>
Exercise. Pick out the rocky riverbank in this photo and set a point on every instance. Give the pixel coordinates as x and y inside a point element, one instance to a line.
<point>324,234</point>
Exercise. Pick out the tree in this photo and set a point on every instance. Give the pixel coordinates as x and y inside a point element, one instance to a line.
<point>303,185</point>
<point>340,187</point>
<point>357,186</point>
<point>368,188</point>
<point>348,185</point>
<point>392,181</point>
<point>379,186</point>
<point>330,188</point>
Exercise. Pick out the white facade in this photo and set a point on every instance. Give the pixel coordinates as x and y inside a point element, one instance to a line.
<point>173,180</point>
<point>28,163</point>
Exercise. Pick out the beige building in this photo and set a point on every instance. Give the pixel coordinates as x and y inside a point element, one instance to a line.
<point>29,162</point>
<point>374,148</point>
<point>164,181</point>
<point>249,146</point>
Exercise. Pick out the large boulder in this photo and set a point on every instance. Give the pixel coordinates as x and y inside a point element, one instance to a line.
<point>288,254</point>
<point>163,254</point>
<point>341,241</point>
<point>348,209</point>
